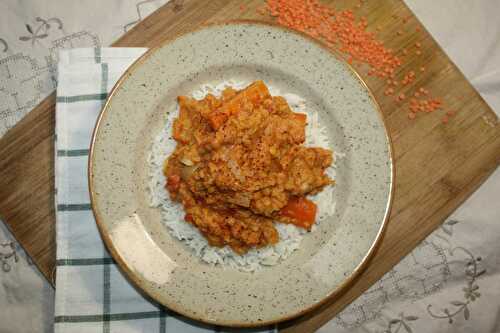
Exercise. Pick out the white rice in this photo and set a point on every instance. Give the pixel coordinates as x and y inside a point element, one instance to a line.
<point>173,213</point>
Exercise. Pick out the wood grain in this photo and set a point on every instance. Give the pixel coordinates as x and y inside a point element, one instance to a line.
<point>27,184</point>
<point>437,166</point>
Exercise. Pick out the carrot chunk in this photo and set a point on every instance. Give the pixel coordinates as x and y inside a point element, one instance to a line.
<point>301,117</point>
<point>173,183</point>
<point>254,93</point>
<point>302,211</point>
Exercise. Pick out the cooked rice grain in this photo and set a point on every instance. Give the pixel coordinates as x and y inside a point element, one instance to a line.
<point>172,213</point>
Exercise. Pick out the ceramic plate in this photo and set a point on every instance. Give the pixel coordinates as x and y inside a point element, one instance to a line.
<point>327,259</point>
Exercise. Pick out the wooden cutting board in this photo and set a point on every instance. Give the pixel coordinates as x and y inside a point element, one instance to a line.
<point>437,166</point>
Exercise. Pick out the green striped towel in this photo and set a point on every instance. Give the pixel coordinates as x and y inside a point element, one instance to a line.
<point>92,295</point>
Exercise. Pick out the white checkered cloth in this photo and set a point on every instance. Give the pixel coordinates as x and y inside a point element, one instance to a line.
<point>92,295</point>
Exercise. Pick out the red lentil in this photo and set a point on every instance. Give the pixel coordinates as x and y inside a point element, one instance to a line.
<point>319,20</point>
<point>408,78</point>
<point>348,34</point>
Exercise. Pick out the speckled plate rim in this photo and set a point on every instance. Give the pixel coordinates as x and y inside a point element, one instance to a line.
<point>348,281</point>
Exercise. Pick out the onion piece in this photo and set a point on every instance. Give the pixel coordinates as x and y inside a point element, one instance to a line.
<point>235,169</point>
<point>187,161</point>
<point>241,199</point>
<point>187,171</point>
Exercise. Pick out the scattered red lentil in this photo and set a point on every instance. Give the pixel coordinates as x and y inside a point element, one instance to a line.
<point>445,120</point>
<point>408,78</point>
<point>242,7</point>
<point>349,35</point>
<point>389,91</point>
<point>319,20</point>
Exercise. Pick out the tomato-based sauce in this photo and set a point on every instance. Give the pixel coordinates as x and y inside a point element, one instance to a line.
<point>240,164</point>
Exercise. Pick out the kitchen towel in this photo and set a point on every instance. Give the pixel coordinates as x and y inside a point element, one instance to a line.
<point>92,295</point>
